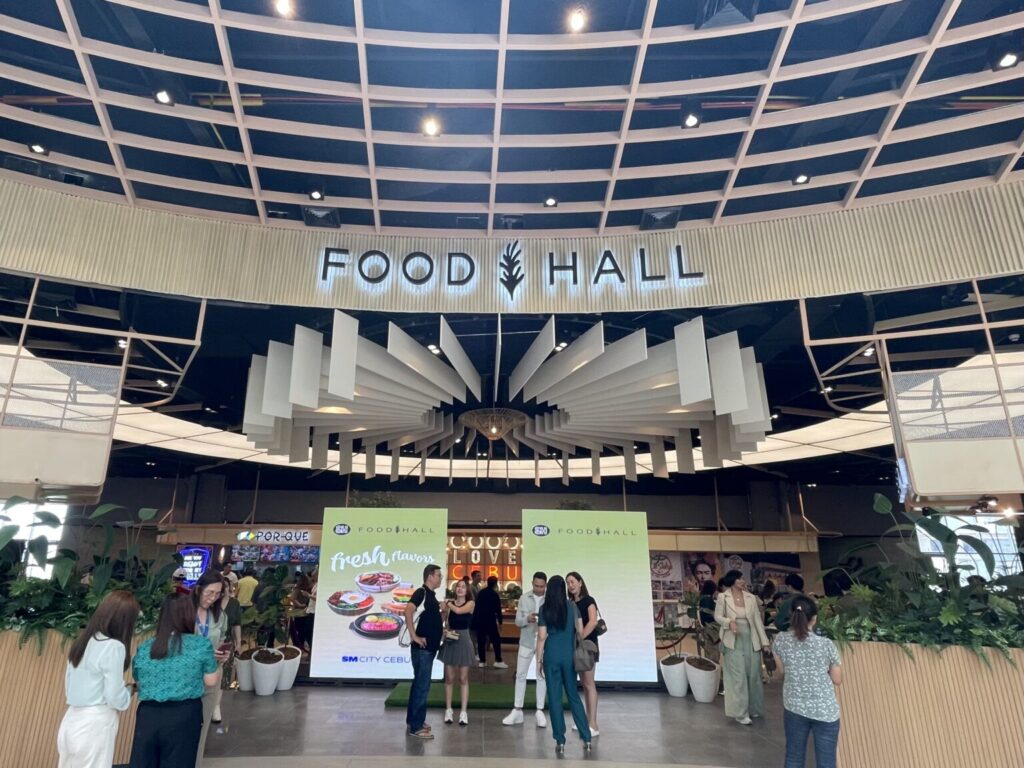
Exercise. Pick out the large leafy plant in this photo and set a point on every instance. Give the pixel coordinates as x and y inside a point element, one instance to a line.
<point>272,620</point>
<point>909,601</point>
<point>64,602</point>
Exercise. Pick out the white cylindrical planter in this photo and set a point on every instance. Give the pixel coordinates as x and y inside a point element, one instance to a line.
<point>289,667</point>
<point>674,674</point>
<point>266,671</point>
<point>243,673</point>
<point>703,682</point>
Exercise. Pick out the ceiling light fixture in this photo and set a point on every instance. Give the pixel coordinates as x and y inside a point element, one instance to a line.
<point>812,485</point>
<point>162,384</point>
<point>577,19</point>
<point>431,347</point>
<point>431,126</point>
<point>436,351</point>
<point>494,430</point>
<point>150,463</point>
<point>869,352</point>
<point>208,409</point>
<point>316,194</point>
<point>122,343</point>
<point>163,96</point>
<point>1007,60</point>
<point>775,417</point>
<point>689,115</point>
<point>550,202</point>
<point>284,8</point>
<point>801,179</point>
<point>458,440</point>
<point>38,149</point>
<point>827,389</point>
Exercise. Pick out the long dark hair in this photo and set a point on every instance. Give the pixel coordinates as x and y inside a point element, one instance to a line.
<point>802,612</point>
<point>114,618</point>
<point>556,604</point>
<point>209,578</point>
<point>584,592</point>
<point>177,619</point>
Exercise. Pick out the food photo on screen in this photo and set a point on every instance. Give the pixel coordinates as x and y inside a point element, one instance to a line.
<point>350,603</point>
<point>304,554</point>
<point>377,581</point>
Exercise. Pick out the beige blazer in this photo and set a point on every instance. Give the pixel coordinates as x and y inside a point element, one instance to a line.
<point>726,610</point>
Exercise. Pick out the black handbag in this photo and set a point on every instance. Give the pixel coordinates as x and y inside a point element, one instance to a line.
<point>601,627</point>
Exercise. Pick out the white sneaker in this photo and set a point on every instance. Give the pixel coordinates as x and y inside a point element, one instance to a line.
<point>500,665</point>
<point>574,726</point>
<point>463,718</point>
<point>216,715</point>
<point>542,721</point>
<point>481,664</point>
<point>449,716</point>
<point>594,732</point>
<point>515,717</point>
<point>743,720</point>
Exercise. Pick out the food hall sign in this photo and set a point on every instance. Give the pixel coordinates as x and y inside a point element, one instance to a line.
<point>462,272</point>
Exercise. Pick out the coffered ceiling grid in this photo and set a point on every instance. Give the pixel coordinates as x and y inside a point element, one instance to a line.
<point>501,41</point>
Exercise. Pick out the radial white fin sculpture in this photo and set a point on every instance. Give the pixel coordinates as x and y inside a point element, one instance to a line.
<point>601,398</point>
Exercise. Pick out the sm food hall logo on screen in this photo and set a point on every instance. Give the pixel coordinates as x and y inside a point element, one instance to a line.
<point>541,530</point>
<point>342,529</point>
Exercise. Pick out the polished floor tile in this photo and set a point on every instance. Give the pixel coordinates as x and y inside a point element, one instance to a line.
<point>311,725</point>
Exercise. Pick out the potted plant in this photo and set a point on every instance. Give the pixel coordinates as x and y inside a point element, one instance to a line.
<point>291,658</point>
<point>266,671</point>
<point>703,676</point>
<point>243,669</point>
<point>905,627</point>
<point>673,672</point>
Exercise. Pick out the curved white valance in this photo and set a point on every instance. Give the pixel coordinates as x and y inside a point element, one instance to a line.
<point>959,235</point>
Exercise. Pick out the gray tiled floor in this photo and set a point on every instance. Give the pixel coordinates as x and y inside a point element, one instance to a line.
<point>637,727</point>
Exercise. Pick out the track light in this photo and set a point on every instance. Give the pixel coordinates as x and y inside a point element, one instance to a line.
<point>689,115</point>
<point>164,97</point>
<point>577,19</point>
<point>38,149</point>
<point>550,202</point>
<point>431,126</point>
<point>801,179</point>
<point>1006,60</point>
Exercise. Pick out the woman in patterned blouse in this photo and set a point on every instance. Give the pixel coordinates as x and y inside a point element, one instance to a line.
<point>172,670</point>
<point>813,672</point>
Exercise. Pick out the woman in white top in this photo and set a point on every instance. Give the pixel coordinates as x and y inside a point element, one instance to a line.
<point>94,684</point>
<point>743,637</point>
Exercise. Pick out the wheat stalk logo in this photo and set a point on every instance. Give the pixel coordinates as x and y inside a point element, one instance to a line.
<point>511,268</point>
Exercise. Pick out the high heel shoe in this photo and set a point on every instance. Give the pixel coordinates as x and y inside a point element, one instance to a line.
<point>449,717</point>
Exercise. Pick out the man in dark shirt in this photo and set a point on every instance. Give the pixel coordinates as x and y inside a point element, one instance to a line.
<point>486,620</point>
<point>795,583</point>
<point>425,639</point>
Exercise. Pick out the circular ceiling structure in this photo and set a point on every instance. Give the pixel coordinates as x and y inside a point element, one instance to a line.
<point>604,117</point>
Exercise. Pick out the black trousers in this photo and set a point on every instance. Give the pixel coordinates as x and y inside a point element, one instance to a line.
<point>483,634</point>
<point>167,734</point>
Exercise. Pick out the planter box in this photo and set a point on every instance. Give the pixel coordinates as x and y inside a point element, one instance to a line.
<point>937,710</point>
<point>30,715</point>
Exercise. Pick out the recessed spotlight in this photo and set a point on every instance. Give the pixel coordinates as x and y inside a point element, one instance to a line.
<point>869,352</point>
<point>550,202</point>
<point>801,179</point>
<point>577,19</point>
<point>431,347</point>
<point>284,8</point>
<point>1007,60</point>
<point>691,120</point>
<point>122,343</point>
<point>38,149</point>
<point>436,351</point>
<point>431,126</point>
<point>162,384</point>
<point>164,97</point>
<point>316,194</point>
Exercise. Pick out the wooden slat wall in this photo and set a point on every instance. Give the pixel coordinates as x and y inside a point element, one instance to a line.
<point>945,710</point>
<point>33,704</point>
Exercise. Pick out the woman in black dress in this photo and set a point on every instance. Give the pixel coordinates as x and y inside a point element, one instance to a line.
<point>587,607</point>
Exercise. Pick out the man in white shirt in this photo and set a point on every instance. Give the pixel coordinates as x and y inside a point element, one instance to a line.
<point>527,613</point>
<point>228,572</point>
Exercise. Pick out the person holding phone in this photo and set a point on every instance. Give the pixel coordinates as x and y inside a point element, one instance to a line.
<point>457,652</point>
<point>172,670</point>
<point>211,623</point>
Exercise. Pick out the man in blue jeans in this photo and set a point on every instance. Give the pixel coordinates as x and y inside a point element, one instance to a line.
<point>426,639</point>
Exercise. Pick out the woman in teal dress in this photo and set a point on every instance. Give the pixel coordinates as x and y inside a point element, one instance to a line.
<point>558,626</point>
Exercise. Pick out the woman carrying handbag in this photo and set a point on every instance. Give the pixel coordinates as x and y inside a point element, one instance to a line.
<point>743,640</point>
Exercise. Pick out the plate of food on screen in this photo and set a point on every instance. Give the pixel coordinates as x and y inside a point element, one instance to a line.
<point>395,609</point>
<point>377,581</point>
<point>378,626</point>
<point>403,593</point>
<point>350,603</point>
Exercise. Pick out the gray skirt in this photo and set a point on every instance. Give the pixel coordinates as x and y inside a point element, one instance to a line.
<point>458,653</point>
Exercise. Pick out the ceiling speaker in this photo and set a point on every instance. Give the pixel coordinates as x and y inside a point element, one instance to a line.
<point>659,218</point>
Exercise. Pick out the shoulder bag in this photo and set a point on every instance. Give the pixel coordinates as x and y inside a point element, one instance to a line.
<point>601,627</point>
<point>583,655</point>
